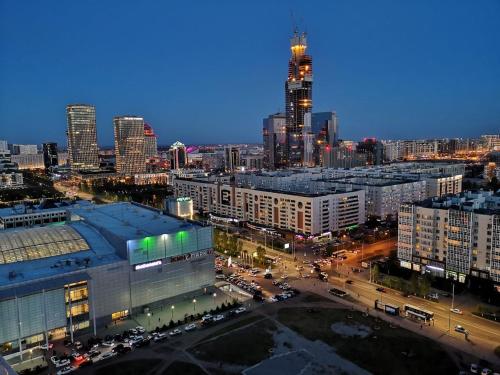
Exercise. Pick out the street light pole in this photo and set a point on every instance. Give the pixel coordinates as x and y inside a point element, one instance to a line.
<point>172,309</point>
<point>194,304</point>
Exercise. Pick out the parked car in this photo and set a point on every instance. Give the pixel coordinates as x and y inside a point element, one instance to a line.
<point>240,310</point>
<point>66,370</point>
<point>190,327</point>
<point>108,343</point>
<point>218,318</point>
<point>60,362</point>
<point>78,345</point>
<point>474,368</point>
<point>92,353</point>
<point>175,332</point>
<point>107,355</point>
<point>47,346</point>
<point>140,329</point>
<point>159,337</point>
<point>268,276</point>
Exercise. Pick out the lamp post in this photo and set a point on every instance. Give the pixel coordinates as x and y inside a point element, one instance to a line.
<point>149,321</point>
<point>172,310</point>
<point>214,295</point>
<point>194,304</point>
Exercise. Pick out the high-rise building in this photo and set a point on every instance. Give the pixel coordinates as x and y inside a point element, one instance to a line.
<point>150,142</point>
<point>454,236</point>
<point>83,153</point>
<point>298,100</point>
<point>325,125</point>
<point>178,156</point>
<point>4,146</point>
<point>274,139</point>
<point>50,157</point>
<point>23,149</point>
<point>373,150</point>
<point>231,158</point>
<point>129,144</point>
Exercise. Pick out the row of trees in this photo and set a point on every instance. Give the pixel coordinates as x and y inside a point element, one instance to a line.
<point>227,243</point>
<point>419,285</point>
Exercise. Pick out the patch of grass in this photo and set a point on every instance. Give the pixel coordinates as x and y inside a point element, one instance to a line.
<point>183,368</point>
<point>233,326</point>
<point>313,297</point>
<point>380,355</point>
<point>246,346</point>
<point>132,367</point>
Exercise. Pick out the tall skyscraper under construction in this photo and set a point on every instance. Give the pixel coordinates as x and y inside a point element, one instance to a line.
<point>298,103</point>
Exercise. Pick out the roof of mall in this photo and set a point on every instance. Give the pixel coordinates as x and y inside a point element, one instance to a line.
<point>59,251</point>
<point>51,251</point>
<point>131,221</point>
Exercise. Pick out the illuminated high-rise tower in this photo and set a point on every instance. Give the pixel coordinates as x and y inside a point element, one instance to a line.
<point>150,142</point>
<point>83,153</point>
<point>298,102</point>
<point>129,145</point>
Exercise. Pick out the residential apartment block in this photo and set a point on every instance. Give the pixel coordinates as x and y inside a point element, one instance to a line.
<point>457,236</point>
<point>300,211</point>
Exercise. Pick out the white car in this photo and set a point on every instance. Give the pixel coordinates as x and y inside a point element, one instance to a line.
<point>218,318</point>
<point>207,318</point>
<point>159,337</point>
<point>240,310</point>
<point>60,362</point>
<point>456,311</point>
<point>175,332</point>
<point>47,346</point>
<point>108,343</point>
<point>140,329</point>
<point>220,277</point>
<point>190,327</point>
<point>66,370</point>
<point>272,299</point>
<point>108,355</point>
<point>135,339</point>
<point>461,329</point>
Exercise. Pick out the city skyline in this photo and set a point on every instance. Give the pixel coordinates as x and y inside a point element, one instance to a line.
<point>425,80</point>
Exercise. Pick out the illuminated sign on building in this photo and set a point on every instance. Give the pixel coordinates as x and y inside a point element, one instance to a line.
<point>143,266</point>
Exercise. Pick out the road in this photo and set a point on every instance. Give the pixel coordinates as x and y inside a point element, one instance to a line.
<point>484,335</point>
<point>72,191</point>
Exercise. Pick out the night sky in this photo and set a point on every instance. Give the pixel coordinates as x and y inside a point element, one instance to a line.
<point>209,71</point>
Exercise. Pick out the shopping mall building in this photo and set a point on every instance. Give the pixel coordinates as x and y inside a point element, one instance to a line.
<point>103,263</point>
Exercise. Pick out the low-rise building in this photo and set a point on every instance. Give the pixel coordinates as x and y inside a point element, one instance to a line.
<point>107,262</point>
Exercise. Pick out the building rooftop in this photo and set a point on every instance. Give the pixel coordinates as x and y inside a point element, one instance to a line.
<point>480,201</point>
<point>48,206</point>
<point>54,250</point>
<point>130,221</point>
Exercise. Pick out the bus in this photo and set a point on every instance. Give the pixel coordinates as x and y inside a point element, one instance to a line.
<point>387,308</point>
<point>418,313</point>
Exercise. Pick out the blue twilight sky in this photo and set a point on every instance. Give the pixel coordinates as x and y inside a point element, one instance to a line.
<point>209,71</point>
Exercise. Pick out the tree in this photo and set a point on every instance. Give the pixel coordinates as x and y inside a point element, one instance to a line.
<point>424,286</point>
<point>414,283</point>
<point>375,272</point>
<point>261,252</point>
